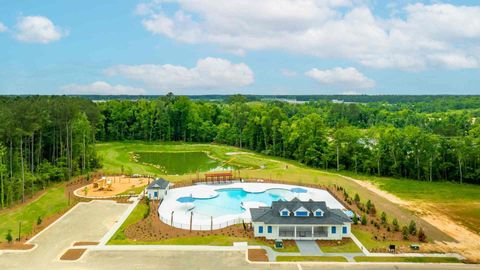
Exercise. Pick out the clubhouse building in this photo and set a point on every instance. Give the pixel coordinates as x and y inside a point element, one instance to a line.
<point>300,220</point>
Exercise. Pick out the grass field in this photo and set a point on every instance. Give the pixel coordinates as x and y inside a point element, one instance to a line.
<point>369,243</point>
<point>136,215</point>
<point>408,259</point>
<point>311,259</point>
<point>459,200</point>
<point>51,202</point>
<point>349,247</point>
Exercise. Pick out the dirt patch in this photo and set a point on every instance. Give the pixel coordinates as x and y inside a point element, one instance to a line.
<point>257,255</point>
<point>72,254</point>
<point>85,244</point>
<point>111,186</point>
<point>152,229</point>
<point>16,246</point>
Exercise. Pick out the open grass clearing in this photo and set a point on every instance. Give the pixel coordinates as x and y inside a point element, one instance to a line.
<point>311,259</point>
<point>407,259</point>
<point>52,201</point>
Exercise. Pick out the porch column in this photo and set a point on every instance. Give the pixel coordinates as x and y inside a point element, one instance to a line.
<point>312,233</point>
<point>295,231</point>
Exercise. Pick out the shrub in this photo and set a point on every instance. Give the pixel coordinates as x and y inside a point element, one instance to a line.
<point>9,236</point>
<point>422,237</point>
<point>396,227</point>
<point>355,218</point>
<point>405,232</point>
<point>373,210</point>
<point>412,228</point>
<point>357,198</point>
<point>369,206</point>
<point>384,218</point>
<point>364,220</point>
<point>39,220</point>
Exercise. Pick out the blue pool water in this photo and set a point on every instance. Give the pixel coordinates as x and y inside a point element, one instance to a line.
<point>229,201</point>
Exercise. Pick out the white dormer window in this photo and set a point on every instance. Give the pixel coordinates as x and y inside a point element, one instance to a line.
<point>318,213</point>
<point>302,212</point>
<point>284,212</point>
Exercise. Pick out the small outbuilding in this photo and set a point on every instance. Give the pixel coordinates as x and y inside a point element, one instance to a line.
<point>157,189</point>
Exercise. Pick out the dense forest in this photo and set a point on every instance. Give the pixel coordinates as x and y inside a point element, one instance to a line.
<point>439,142</point>
<point>44,140</point>
<point>48,139</point>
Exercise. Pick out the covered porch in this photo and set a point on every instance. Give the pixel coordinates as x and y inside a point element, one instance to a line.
<point>299,232</point>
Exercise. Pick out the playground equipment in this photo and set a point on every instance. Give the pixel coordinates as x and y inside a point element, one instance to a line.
<point>103,184</point>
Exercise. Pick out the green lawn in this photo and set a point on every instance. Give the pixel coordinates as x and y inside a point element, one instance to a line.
<point>366,239</point>
<point>51,202</point>
<point>348,247</point>
<point>311,259</point>
<point>408,259</point>
<point>136,215</point>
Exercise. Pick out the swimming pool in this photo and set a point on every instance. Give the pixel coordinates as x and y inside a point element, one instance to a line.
<point>206,207</point>
<point>230,201</point>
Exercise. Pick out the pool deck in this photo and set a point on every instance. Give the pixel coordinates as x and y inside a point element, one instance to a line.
<point>182,215</point>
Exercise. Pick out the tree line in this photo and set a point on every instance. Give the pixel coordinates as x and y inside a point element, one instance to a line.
<point>44,140</point>
<point>377,138</point>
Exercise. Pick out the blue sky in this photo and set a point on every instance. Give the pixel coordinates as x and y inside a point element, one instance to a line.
<point>239,46</point>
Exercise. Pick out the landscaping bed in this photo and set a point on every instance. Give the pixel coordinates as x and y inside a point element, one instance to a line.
<point>72,254</point>
<point>15,246</point>
<point>257,255</point>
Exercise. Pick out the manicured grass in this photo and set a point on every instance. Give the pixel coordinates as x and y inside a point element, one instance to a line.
<point>347,247</point>
<point>408,259</point>
<point>311,259</point>
<point>370,243</point>
<point>137,214</point>
<point>51,202</point>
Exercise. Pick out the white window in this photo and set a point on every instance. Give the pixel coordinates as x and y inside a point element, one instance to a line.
<point>302,212</point>
<point>284,212</point>
<point>318,213</point>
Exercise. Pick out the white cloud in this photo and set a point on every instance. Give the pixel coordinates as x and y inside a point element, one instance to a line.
<point>102,88</point>
<point>3,28</point>
<point>413,37</point>
<point>341,77</point>
<point>209,73</point>
<point>38,29</point>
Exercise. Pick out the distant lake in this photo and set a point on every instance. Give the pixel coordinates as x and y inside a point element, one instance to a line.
<point>181,162</point>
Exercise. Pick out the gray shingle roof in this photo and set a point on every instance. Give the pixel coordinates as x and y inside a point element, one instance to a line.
<point>271,215</point>
<point>159,183</point>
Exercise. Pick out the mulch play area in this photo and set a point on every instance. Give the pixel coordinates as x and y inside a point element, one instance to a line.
<point>112,185</point>
<point>152,229</point>
<point>72,254</point>
<point>257,255</point>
